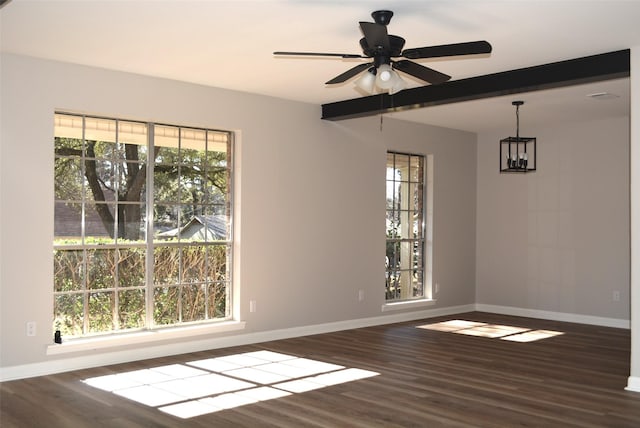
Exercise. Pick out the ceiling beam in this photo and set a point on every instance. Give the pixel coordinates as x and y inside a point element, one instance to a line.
<point>612,65</point>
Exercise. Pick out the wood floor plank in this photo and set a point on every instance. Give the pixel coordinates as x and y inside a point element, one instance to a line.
<point>424,378</point>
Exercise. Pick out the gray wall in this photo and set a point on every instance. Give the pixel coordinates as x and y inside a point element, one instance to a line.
<point>309,195</point>
<point>558,239</point>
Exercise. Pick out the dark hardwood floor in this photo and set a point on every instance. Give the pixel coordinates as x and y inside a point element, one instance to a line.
<point>423,378</point>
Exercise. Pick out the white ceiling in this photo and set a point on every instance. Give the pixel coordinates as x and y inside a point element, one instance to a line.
<point>229,44</point>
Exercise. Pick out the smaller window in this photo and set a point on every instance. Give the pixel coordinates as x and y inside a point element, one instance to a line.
<point>405,227</point>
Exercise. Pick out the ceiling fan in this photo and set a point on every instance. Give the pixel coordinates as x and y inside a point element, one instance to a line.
<point>380,46</point>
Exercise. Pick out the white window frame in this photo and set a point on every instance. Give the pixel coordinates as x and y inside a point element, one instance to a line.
<point>194,327</point>
<point>426,244</point>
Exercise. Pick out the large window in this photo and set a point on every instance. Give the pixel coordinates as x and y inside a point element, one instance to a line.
<point>405,227</point>
<point>142,225</point>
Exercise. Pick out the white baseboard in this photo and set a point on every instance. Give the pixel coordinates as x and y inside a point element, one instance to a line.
<point>105,357</point>
<point>633,384</point>
<point>554,316</point>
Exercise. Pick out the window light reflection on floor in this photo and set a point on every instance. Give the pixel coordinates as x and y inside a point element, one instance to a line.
<point>481,329</point>
<point>210,385</point>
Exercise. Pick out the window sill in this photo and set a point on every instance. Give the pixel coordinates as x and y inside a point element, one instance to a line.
<point>125,339</point>
<point>409,304</point>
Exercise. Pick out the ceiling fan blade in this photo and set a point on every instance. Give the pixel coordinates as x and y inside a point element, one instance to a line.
<point>349,74</point>
<point>467,48</point>
<point>375,35</point>
<point>420,71</point>
<point>339,55</point>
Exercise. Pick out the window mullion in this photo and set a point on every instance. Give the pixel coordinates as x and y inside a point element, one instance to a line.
<point>149,260</point>
<point>83,210</point>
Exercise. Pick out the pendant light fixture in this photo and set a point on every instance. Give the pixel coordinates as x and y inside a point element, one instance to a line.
<point>518,154</point>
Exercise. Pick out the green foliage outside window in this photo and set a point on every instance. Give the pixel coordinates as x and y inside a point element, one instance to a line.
<point>116,289</point>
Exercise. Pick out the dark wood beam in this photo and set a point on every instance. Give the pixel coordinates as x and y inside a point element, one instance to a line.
<point>577,71</point>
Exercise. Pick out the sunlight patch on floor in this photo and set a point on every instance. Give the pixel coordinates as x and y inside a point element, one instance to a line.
<point>532,336</point>
<point>210,385</point>
<point>481,329</point>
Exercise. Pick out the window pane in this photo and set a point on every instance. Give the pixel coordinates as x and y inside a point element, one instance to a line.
<point>165,305</point>
<point>166,183</point>
<point>101,269</point>
<point>100,129</point>
<point>194,159</point>
<point>393,224</point>
<point>216,194</point>
<point>417,196</point>
<point>193,143</point>
<point>133,136</point>
<point>193,264</point>
<point>68,270</point>
<point>417,283</point>
<point>217,300</point>
<point>191,186</point>
<point>416,172</point>
<point>99,222</point>
<point>165,224</point>
<point>131,308</point>
<point>68,314</point>
<point>393,255</point>
<point>101,308</point>
<point>101,180</point>
<point>68,223</point>
<point>69,178</point>
<point>64,146</point>
<point>131,267</point>
<point>193,303</point>
<point>217,257</point>
<point>166,265</point>
<point>104,150</point>
<point>393,285</point>
<point>417,258</point>
<point>208,227</point>
<point>131,222</point>
<point>167,141</point>
<point>401,165</point>
<point>216,209</point>
<point>417,229</point>
<point>131,179</point>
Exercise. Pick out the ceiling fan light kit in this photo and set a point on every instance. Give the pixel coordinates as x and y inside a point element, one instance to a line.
<point>381,47</point>
<point>517,154</point>
<point>367,81</point>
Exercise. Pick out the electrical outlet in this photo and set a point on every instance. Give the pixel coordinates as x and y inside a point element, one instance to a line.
<point>360,295</point>
<point>31,328</point>
<point>437,287</point>
<point>252,305</point>
<point>616,296</point>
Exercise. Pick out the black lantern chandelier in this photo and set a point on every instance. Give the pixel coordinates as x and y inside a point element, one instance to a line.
<point>518,154</point>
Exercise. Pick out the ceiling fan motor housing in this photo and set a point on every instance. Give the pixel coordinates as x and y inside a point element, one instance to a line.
<point>396,43</point>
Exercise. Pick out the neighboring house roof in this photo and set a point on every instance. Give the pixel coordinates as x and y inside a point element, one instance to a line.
<point>200,228</point>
